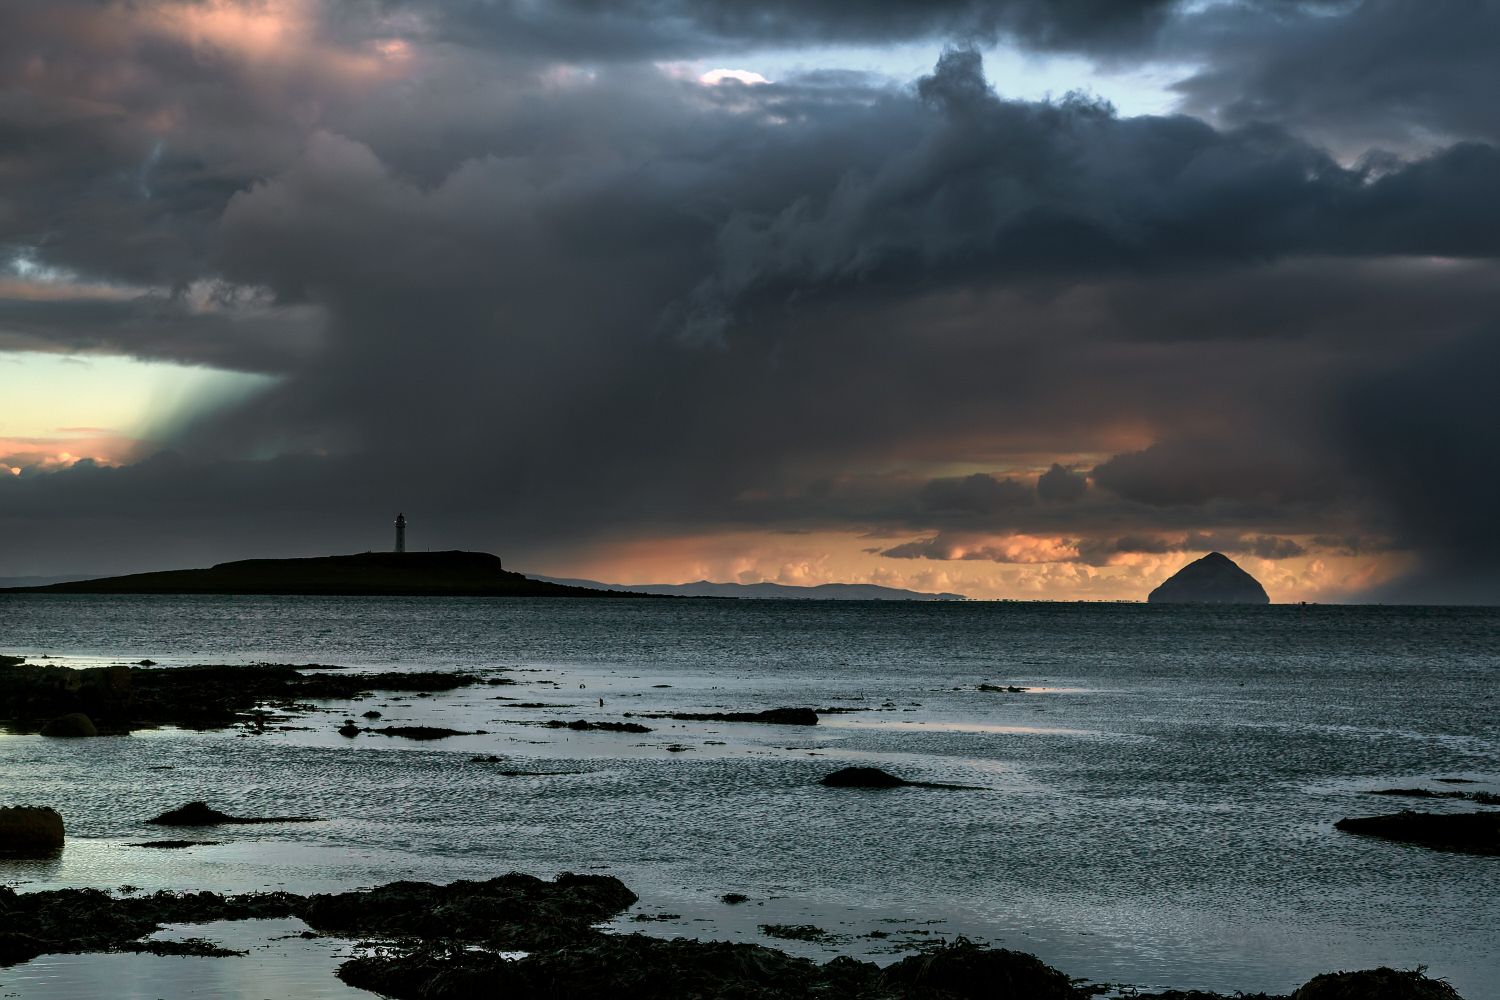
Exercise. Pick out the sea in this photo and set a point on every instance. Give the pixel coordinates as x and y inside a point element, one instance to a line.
<point>1154,809</point>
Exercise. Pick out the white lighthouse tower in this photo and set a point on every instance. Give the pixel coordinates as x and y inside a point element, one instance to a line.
<point>400,532</point>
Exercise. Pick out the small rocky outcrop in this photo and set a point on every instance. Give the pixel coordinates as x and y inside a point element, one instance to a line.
<point>1471,833</point>
<point>74,724</point>
<point>202,814</point>
<point>30,831</point>
<point>862,777</point>
<point>1214,579</point>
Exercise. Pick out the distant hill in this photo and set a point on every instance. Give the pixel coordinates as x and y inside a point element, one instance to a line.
<point>766,591</point>
<point>435,574</point>
<point>1214,579</point>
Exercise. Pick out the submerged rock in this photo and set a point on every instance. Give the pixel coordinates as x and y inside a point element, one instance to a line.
<point>30,831</point>
<point>1214,579</point>
<point>74,724</point>
<point>1472,833</point>
<point>202,814</point>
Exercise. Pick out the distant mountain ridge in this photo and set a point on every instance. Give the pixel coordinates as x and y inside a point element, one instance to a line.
<point>764,591</point>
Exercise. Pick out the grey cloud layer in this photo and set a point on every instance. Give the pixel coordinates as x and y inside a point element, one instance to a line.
<point>550,308</point>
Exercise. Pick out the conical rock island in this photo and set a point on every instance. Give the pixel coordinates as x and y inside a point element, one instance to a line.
<point>1214,579</point>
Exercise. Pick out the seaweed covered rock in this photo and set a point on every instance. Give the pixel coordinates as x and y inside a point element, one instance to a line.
<point>966,970</point>
<point>88,920</point>
<point>515,911</point>
<point>629,967</point>
<point>74,724</point>
<point>30,831</point>
<point>1375,984</point>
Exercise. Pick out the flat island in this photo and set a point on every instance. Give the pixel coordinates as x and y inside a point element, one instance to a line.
<point>382,574</point>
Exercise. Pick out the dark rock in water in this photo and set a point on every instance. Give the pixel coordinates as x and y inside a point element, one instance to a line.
<point>874,777</point>
<point>1003,689</point>
<point>863,777</point>
<point>583,725</point>
<point>201,814</point>
<point>349,730</point>
<point>734,898</point>
<point>771,716</point>
<point>176,845</point>
<point>1375,984</point>
<point>74,724</point>
<point>1473,833</point>
<point>30,831</point>
<point>974,973</point>
<point>1214,579</point>
<point>372,714</point>
<point>419,732</point>
<point>145,663</point>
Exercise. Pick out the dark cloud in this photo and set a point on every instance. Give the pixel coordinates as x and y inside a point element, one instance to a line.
<point>1423,438</point>
<point>1382,72</point>
<point>633,29</point>
<point>1193,471</point>
<point>1059,485</point>
<point>979,494</point>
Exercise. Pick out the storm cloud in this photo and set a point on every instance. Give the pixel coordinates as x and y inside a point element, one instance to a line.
<point>512,273</point>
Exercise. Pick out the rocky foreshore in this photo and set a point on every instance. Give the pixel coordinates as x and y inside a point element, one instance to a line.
<point>118,699</point>
<point>520,936</point>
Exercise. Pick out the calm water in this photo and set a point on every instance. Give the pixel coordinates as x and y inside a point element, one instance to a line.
<point>1156,810</point>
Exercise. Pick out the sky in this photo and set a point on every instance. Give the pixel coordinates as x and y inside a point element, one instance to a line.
<point>1027,299</point>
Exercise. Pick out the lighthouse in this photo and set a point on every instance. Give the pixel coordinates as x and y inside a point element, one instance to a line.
<point>400,532</point>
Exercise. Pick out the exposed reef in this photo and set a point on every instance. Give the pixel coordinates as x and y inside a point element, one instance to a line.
<point>121,698</point>
<point>1471,833</point>
<point>1214,579</point>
